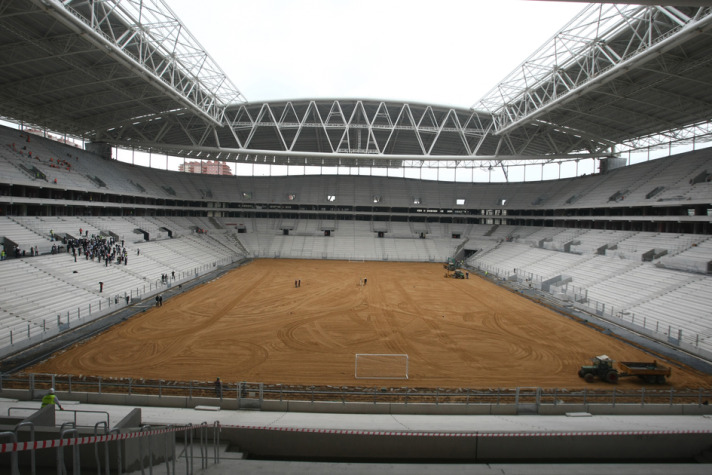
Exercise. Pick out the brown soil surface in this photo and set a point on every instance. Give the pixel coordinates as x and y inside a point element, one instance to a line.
<point>252,324</point>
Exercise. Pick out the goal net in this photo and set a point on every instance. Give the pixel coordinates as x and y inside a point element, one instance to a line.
<point>381,366</point>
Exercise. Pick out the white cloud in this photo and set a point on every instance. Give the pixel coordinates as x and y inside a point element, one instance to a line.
<point>451,52</point>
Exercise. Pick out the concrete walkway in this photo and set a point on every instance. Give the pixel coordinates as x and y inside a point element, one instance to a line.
<point>576,422</point>
<point>232,462</point>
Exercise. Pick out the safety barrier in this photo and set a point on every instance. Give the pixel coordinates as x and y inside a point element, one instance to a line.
<point>69,437</point>
<point>470,445</point>
<point>255,394</point>
<point>307,430</point>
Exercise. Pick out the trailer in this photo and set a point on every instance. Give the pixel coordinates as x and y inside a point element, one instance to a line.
<point>451,264</point>
<point>603,369</point>
<point>650,372</point>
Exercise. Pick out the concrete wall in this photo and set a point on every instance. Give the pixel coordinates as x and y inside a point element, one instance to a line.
<point>481,448</point>
<point>369,408</point>
<point>364,446</point>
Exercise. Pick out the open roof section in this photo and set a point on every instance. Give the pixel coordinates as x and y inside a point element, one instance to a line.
<point>83,67</point>
<point>616,75</point>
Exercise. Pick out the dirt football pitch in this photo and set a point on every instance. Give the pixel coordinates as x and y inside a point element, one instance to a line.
<point>253,324</point>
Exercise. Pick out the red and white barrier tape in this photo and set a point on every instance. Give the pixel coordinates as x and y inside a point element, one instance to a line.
<point>49,444</point>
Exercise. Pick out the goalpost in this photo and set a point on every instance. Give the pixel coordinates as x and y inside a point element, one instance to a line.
<point>381,366</point>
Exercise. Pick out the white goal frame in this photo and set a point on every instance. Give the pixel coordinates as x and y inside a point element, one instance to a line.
<point>382,355</point>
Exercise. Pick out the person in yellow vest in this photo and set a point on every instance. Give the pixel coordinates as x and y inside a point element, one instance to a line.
<point>50,398</point>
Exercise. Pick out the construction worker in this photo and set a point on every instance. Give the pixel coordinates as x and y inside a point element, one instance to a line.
<point>50,398</point>
<point>218,388</point>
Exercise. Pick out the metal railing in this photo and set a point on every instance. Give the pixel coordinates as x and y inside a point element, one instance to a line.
<point>695,342</point>
<point>62,319</point>
<point>685,339</point>
<point>70,439</point>
<point>249,393</point>
<point>73,411</point>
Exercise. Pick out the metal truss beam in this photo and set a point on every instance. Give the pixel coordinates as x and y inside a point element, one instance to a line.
<point>602,43</point>
<point>341,159</point>
<point>696,133</point>
<point>147,37</point>
<point>369,128</point>
<point>104,75</point>
<point>362,131</point>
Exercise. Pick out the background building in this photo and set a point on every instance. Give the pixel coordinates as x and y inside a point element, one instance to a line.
<point>208,167</point>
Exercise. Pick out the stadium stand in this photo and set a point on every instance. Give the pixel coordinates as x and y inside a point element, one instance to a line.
<point>629,244</point>
<point>177,243</point>
<point>695,259</point>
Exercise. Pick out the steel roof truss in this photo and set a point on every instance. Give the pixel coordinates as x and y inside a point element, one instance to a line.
<point>359,115</point>
<point>525,93</point>
<point>403,115</point>
<point>231,128</point>
<point>161,45</point>
<point>337,112</point>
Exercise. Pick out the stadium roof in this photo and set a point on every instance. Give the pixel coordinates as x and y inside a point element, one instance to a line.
<point>128,72</point>
<point>615,74</point>
<point>83,67</point>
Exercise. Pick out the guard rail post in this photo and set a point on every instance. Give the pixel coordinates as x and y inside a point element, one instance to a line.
<point>14,468</point>
<point>32,439</point>
<point>216,441</point>
<point>145,428</point>
<point>118,451</point>
<point>63,431</point>
<point>106,448</point>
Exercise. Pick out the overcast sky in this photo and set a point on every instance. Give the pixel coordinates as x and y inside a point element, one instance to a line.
<point>446,52</point>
